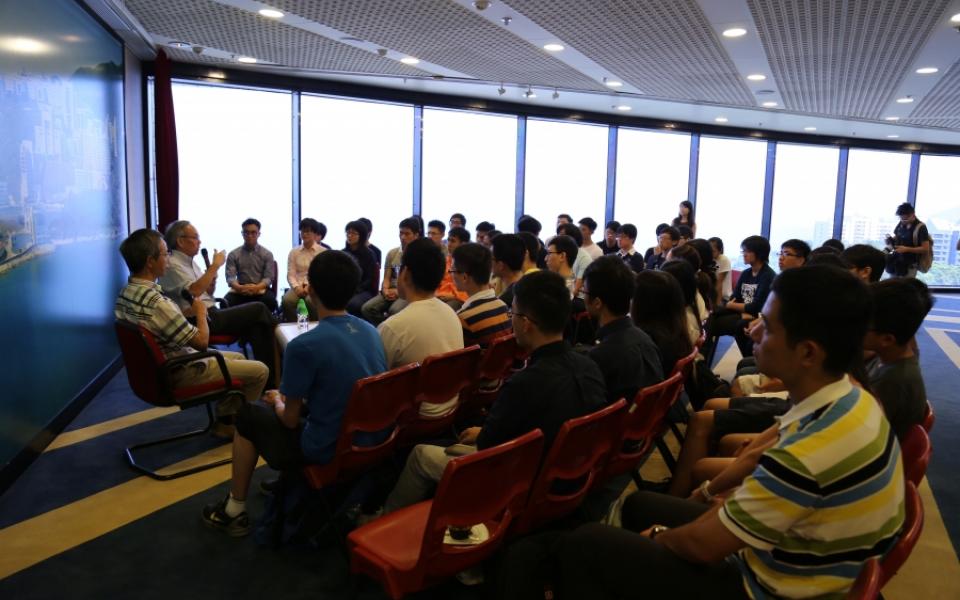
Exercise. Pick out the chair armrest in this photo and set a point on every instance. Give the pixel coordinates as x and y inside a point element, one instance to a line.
<point>194,356</point>
<point>222,303</point>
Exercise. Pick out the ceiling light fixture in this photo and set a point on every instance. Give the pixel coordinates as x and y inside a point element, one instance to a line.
<point>927,70</point>
<point>247,60</point>
<point>955,18</point>
<point>553,47</point>
<point>178,45</point>
<point>409,60</point>
<point>905,100</point>
<point>671,125</point>
<point>810,128</point>
<point>770,104</point>
<point>556,93</point>
<point>893,136</point>
<point>622,107</point>
<point>734,32</point>
<point>756,77</point>
<point>891,118</point>
<point>529,94</point>
<point>501,90</point>
<point>721,119</point>
<point>270,13</point>
<point>612,83</point>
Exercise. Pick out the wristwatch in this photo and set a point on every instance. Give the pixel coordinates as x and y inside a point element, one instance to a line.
<point>657,530</point>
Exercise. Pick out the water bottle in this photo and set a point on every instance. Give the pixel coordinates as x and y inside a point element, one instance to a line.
<point>302,315</point>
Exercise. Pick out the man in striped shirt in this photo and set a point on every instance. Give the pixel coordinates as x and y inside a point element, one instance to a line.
<point>142,302</point>
<point>807,503</point>
<point>484,317</point>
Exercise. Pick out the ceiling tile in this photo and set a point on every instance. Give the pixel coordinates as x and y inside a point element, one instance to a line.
<point>941,105</point>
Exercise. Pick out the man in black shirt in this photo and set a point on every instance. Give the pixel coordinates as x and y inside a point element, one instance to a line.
<point>910,241</point>
<point>626,355</point>
<point>609,244</point>
<point>557,385</point>
<point>626,237</point>
<point>667,239</point>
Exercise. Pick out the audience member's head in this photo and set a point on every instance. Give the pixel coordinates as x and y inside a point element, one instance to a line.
<point>421,266</point>
<point>707,262</point>
<point>508,250</point>
<point>686,233</point>
<point>182,236</point>
<point>686,253</point>
<point>610,233</point>
<point>663,227</point>
<point>456,237</point>
<point>717,245</point>
<point>492,235</point>
<point>899,306</point>
<point>251,232</point>
<point>530,225</point>
<point>825,255</point>
<point>756,249</point>
<point>587,227</point>
<point>793,253</point>
<point>865,261</point>
<point>541,309</point>
<point>563,218</point>
<point>668,238</point>
<point>409,231</point>
<point>686,213</point>
<point>834,243</point>
<point>532,245</point>
<point>474,262</point>
<point>659,310</point>
<point>561,250</point>
<point>322,231</point>
<point>356,233</point>
<point>572,231</point>
<point>483,228</point>
<point>312,226</point>
<point>435,231</point>
<point>458,220</point>
<point>369,225</point>
<point>686,276</point>
<point>145,253</point>
<point>905,212</point>
<point>608,285</point>
<point>333,277</point>
<point>627,236</point>
<point>805,330</point>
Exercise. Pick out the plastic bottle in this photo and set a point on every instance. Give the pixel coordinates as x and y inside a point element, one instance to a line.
<point>302,315</point>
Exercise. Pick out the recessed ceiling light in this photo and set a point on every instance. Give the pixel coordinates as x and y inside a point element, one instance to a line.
<point>809,128</point>
<point>553,47</point>
<point>891,118</point>
<point>179,45</point>
<point>893,136</point>
<point>756,77</point>
<point>270,13</point>
<point>927,70</point>
<point>247,59</point>
<point>955,18</point>
<point>409,60</point>
<point>770,104</point>
<point>613,83</point>
<point>734,32</point>
<point>671,125</point>
<point>905,100</point>
<point>623,107</point>
<point>721,119</point>
<point>529,94</point>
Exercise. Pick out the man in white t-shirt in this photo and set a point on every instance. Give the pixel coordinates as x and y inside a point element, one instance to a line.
<point>724,269</point>
<point>587,227</point>
<point>427,326</point>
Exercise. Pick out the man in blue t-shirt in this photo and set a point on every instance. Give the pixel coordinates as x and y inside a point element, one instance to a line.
<point>301,423</point>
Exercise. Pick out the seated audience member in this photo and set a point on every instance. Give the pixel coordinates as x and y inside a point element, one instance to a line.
<point>748,296</point>
<point>626,237</point>
<point>609,245</point>
<point>141,302</point>
<point>298,263</point>
<point>447,292</point>
<point>252,322</point>
<point>484,317</point>
<point>534,249</point>
<point>655,249</point>
<point>686,218</point>
<point>667,240</point>
<point>457,220</point>
<point>587,228</point>
<point>899,307</point>
<point>483,229</point>
<point>322,233</point>
<point>694,309</point>
<point>508,254</point>
<point>320,367</point>
<point>377,255</point>
<point>724,270</point>
<point>805,503</point>
<point>825,255</point>
<point>582,259</point>
<point>389,300</point>
<point>686,234</point>
<point>558,384</point>
<point>628,358</point>
<point>866,262</point>
<point>564,219</point>
<point>835,244</point>
<point>356,247</point>
<point>528,224</point>
<point>703,283</point>
<point>707,272</point>
<point>793,253</point>
<point>250,270</point>
<point>659,310</point>
<point>561,254</point>
<point>426,326</point>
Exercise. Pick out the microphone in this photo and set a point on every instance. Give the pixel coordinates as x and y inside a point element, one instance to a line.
<point>206,257</point>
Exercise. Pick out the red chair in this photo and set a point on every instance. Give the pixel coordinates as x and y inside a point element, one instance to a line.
<point>685,364</point>
<point>405,551</point>
<point>867,585</point>
<point>645,422</point>
<point>912,526</point>
<point>442,376</point>
<point>928,418</point>
<point>495,365</point>
<point>575,461</point>
<point>915,452</point>
<point>148,372</point>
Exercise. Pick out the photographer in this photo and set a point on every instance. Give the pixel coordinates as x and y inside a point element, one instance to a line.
<point>910,241</point>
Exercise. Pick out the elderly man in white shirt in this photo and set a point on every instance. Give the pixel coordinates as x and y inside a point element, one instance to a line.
<point>298,263</point>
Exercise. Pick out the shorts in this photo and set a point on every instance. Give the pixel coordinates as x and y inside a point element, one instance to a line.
<point>278,445</point>
<point>749,415</point>
<point>751,382</point>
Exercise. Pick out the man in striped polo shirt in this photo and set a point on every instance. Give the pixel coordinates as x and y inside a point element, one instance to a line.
<point>802,508</point>
<point>484,317</point>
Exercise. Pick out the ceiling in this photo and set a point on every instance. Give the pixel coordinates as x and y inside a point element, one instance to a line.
<point>833,67</point>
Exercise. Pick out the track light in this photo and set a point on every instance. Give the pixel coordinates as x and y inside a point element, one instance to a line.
<point>556,94</point>
<point>529,94</point>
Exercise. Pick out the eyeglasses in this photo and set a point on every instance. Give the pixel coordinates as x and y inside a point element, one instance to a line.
<point>191,237</point>
<point>553,252</point>
<point>788,255</point>
<point>523,316</point>
<point>250,232</point>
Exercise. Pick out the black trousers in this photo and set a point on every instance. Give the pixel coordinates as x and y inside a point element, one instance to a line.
<point>731,323</point>
<point>253,323</point>
<point>234,299</point>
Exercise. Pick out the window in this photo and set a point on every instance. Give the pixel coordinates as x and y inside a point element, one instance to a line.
<point>653,170</point>
<point>356,161</point>
<point>876,185</point>
<point>229,173</point>
<point>470,167</point>
<point>804,194</point>
<point>939,207</point>
<point>566,172</point>
<point>730,192</point>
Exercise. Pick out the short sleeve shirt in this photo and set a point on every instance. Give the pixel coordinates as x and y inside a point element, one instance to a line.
<point>142,302</point>
<point>182,272</point>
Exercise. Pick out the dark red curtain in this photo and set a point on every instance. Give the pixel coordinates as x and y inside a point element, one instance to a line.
<point>165,134</point>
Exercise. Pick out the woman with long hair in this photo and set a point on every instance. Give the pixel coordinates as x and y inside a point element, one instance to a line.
<point>686,217</point>
<point>658,309</point>
<point>356,247</point>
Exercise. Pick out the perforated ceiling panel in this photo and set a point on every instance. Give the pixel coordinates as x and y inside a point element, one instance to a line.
<point>665,48</point>
<point>445,34</point>
<point>214,25</point>
<point>941,106</point>
<point>843,57</point>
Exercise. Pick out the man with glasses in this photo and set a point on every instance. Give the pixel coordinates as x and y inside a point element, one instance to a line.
<point>484,317</point>
<point>250,270</point>
<point>298,263</point>
<point>389,300</point>
<point>793,253</point>
<point>252,322</point>
<point>626,237</point>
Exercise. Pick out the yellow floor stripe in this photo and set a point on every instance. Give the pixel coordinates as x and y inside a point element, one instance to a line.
<point>81,435</point>
<point>34,540</point>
